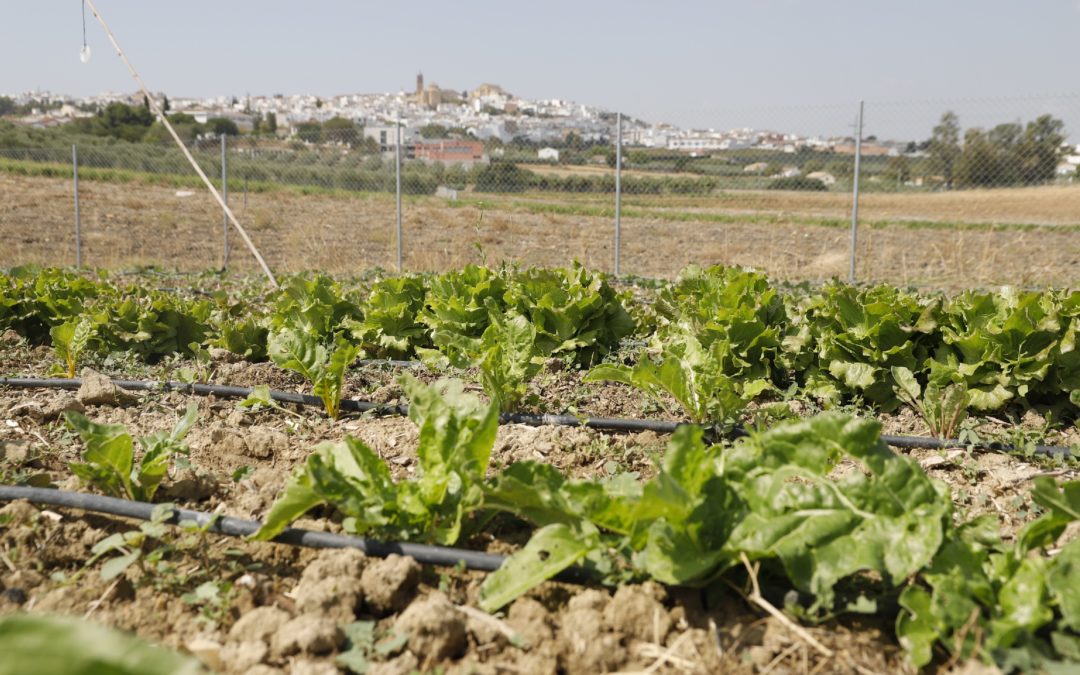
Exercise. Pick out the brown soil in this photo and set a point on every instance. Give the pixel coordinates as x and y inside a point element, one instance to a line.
<point>283,609</point>
<point>137,224</point>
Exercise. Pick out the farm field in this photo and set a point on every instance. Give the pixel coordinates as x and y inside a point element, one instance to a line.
<point>950,240</point>
<point>807,365</point>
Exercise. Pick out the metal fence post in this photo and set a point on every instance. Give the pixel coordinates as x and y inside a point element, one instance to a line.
<point>855,193</point>
<point>225,198</point>
<point>78,219</point>
<point>618,190</point>
<point>397,171</point>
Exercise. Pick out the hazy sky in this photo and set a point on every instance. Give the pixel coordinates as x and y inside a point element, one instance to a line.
<point>787,64</point>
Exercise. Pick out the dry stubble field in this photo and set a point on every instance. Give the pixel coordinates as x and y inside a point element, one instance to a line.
<point>1024,237</point>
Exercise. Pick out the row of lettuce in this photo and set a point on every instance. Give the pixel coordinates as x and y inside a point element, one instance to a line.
<point>714,340</point>
<point>767,505</point>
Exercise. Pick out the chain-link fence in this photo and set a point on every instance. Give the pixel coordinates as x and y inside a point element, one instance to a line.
<point>932,193</point>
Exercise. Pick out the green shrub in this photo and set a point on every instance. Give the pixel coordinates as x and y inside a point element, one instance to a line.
<point>798,183</point>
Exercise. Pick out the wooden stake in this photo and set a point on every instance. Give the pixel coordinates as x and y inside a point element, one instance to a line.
<point>164,120</point>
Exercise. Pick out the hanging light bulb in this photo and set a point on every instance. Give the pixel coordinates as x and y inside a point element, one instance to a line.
<point>84,53</point>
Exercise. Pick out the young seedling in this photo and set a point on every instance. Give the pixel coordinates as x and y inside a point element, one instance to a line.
<point>260,398</point>
<point>109,459</point>
<point>295,350</point>
<point>131,545</point>
<point>70,340</point>
<point>943,409</point>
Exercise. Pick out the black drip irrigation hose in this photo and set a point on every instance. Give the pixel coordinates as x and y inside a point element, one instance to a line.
<point>237,527</point>
<point>604,423</point>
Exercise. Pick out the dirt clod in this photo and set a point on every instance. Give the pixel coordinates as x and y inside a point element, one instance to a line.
<point>339,562</point>
<point>18,512</point>
<point>29,409</point>
<point>258,624</point>
<point>98,389</point>
<point>266,443</point>
<point>390,583</point>
<point>308,634</point>
<point>191,486</point>
<point>435,630</point>
<point>635,611</point>
<point>333,597</point>
<point>60,405</point>
<point>530,620</point>
<point>16,452</point>
<point>240,656</point>
<point>205,649</point>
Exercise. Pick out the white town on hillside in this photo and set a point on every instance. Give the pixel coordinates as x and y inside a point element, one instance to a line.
<point>486,112</point>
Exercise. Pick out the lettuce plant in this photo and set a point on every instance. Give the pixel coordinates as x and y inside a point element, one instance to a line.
<point>390,327</point>
<point>770,497</point>
<point>696,377</point>
<point>858,335</point>
<point>324,367</point>
<point>457,302</point>
<point>576,313</point>
<point>508,355</point>
<point>1010,604</point>
<point>457,433</point>
<point>1000,345</point>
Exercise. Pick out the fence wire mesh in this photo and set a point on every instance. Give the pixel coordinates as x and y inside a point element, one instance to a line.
<point>950,193</point>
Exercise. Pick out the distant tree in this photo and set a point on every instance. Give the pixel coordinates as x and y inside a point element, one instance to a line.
<point>977,165</point>
<point>840,168</point>
<point>812,165</point>
<point>944,146</point>
<point>1010,154</point>
<point>181,118</point>
<point>187,132</point>
<point>7,106</point>
<point>369,146</point>
<point>122,121</point>
<point>503,177</point>
<point>340,130</point>
<point>165,107</point>
<point>271,122</point>
<point>573,141</point>
<point>310,132</point>
<point>146,101</point>
<point>433,131</point>
<point>911,148</point>
<point>1039,151</point>
<point>897,170</point>
<point>220,125</point>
